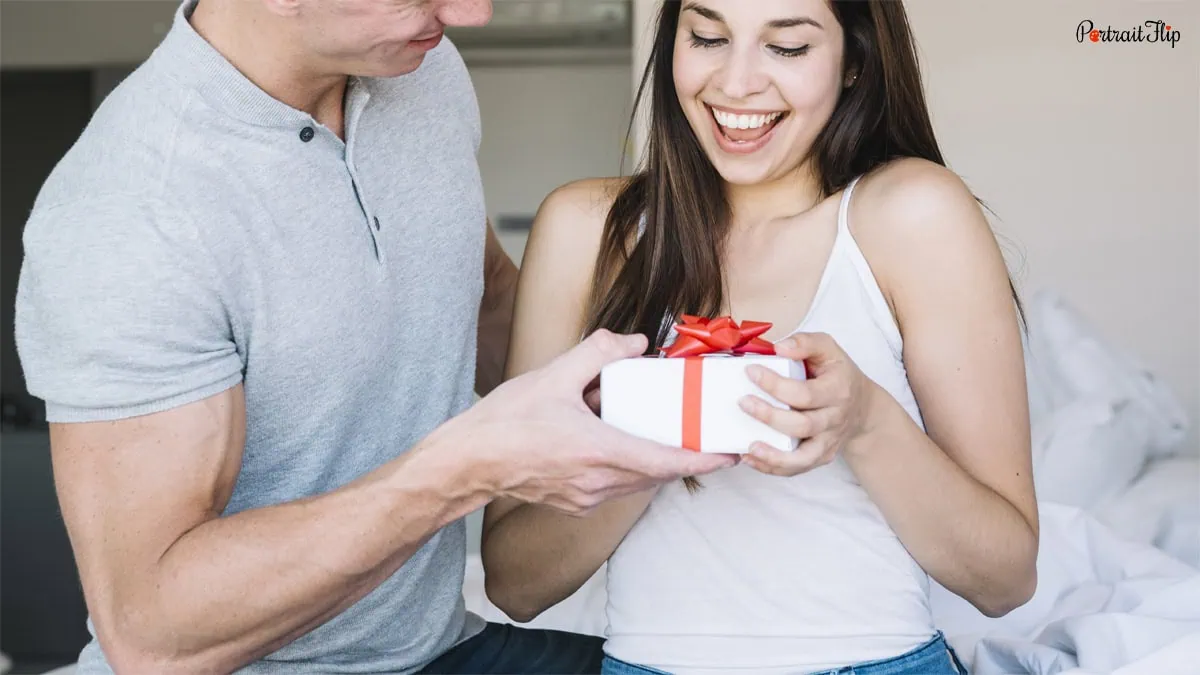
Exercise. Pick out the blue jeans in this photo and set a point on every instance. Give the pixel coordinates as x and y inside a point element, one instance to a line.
<point>503,648</point>
<point>932,658</point>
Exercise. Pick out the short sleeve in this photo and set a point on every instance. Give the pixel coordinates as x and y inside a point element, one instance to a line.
<point>474,117</point>
<point>120,312</point>
<point>455,81</point>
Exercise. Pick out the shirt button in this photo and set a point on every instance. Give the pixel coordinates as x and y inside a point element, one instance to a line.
<point>306,134</point>
<point>376,223</point>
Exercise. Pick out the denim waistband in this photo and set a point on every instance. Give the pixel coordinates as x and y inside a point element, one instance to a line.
<point>934,657</point>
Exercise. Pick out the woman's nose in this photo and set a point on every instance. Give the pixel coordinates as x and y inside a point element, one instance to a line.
<point>741,75</point>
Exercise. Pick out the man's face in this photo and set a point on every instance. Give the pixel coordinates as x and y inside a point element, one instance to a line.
<point>381,38</point>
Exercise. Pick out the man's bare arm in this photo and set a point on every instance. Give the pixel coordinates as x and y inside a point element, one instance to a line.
<point>172,586</point>
<point>175,586</point>
<point>495,315</point>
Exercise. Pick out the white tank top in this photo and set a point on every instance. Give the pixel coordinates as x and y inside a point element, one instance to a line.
<point>760,574</point>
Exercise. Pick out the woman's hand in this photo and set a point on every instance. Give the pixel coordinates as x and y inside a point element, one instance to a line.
<point>827,411</point>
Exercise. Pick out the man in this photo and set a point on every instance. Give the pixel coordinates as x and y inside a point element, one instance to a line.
<point>253,298</point>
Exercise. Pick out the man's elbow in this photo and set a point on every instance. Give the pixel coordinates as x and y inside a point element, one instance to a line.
<point>132,645</point>
<point>126,656</point>
<point>129,651</point>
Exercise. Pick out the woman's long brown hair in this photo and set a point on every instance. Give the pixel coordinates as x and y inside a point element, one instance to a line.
<point>675,267</point>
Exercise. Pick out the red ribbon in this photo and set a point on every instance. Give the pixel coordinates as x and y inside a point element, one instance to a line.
<point>699,336</point>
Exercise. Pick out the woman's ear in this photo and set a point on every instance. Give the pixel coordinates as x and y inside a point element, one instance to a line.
<point>850,78</point>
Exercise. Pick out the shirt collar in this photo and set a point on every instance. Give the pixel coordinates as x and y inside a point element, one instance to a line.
<point>199,65</point>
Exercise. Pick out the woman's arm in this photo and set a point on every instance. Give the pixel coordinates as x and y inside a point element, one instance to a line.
<point>536,557</point>
<point>960,494</point>
<point>495,314</point>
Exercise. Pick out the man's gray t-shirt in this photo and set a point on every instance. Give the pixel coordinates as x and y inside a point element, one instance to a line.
<point>201,234</point>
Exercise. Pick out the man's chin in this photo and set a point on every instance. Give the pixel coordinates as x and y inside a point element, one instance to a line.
<point>401,65</point>
<point>406,68</point>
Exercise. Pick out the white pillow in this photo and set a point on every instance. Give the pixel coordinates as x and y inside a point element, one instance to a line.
<point>1100,600</point>
<point>1088,451</point>
<point>1070,360</point>
<point>1098,415</point>
<point>1161,508</point>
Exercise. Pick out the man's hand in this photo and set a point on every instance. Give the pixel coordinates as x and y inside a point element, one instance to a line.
<point>573,485</point>
<point>541,443</point>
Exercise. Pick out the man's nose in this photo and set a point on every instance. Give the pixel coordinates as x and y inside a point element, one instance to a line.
<point>465,12</point>
<point>741,75</point>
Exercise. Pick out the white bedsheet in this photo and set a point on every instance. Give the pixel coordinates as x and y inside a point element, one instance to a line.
<point>1103,604</point>
<point>1161,508</point>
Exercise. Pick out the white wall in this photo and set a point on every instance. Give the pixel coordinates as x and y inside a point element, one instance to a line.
<point>73,33</point>
<point>545,125</point>
<point>1088,152</point>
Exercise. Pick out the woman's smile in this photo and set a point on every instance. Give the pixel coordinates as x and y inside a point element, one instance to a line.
<point>742,132</point>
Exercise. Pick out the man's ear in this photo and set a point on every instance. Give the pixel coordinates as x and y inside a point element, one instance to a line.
<point>286,8</point>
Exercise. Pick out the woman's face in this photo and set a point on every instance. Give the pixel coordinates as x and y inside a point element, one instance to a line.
<point>757,80</point>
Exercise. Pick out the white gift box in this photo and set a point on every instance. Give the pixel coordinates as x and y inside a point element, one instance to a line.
<point>692,402</point>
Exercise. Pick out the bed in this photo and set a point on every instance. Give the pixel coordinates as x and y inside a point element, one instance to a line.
<point>1118,478</point>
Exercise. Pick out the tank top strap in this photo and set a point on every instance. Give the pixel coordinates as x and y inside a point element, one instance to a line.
<point>877,304</point>
<point>844,208</point>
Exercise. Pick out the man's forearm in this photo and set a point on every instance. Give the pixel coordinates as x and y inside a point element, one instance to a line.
<point>237,588</point>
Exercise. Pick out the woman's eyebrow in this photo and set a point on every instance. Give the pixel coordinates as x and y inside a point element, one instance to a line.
<point>795,21</point>
<point>710,14</point>
<point>713,15</point>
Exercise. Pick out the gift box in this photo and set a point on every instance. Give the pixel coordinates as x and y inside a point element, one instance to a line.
<point>687,397</point>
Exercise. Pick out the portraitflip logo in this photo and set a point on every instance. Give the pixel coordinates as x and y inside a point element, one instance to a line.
<point>1150,31</point>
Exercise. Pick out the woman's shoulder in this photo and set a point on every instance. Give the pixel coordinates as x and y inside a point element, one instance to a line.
<point>912,197</point>
<point>912,208</point>
<point>911,218</point>
<point>569,225</point>
<point>571,218</point>
<point>589,198</point>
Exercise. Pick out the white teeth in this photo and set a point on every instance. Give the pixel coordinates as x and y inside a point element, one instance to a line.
<point>732,121</point>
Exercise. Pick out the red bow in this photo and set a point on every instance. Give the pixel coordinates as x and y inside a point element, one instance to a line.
<point>698,335</point>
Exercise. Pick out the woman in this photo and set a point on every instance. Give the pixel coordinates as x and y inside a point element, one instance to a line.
<point>793,177</point>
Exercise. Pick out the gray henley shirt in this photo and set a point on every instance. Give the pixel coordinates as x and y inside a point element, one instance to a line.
<point>201,234</point>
